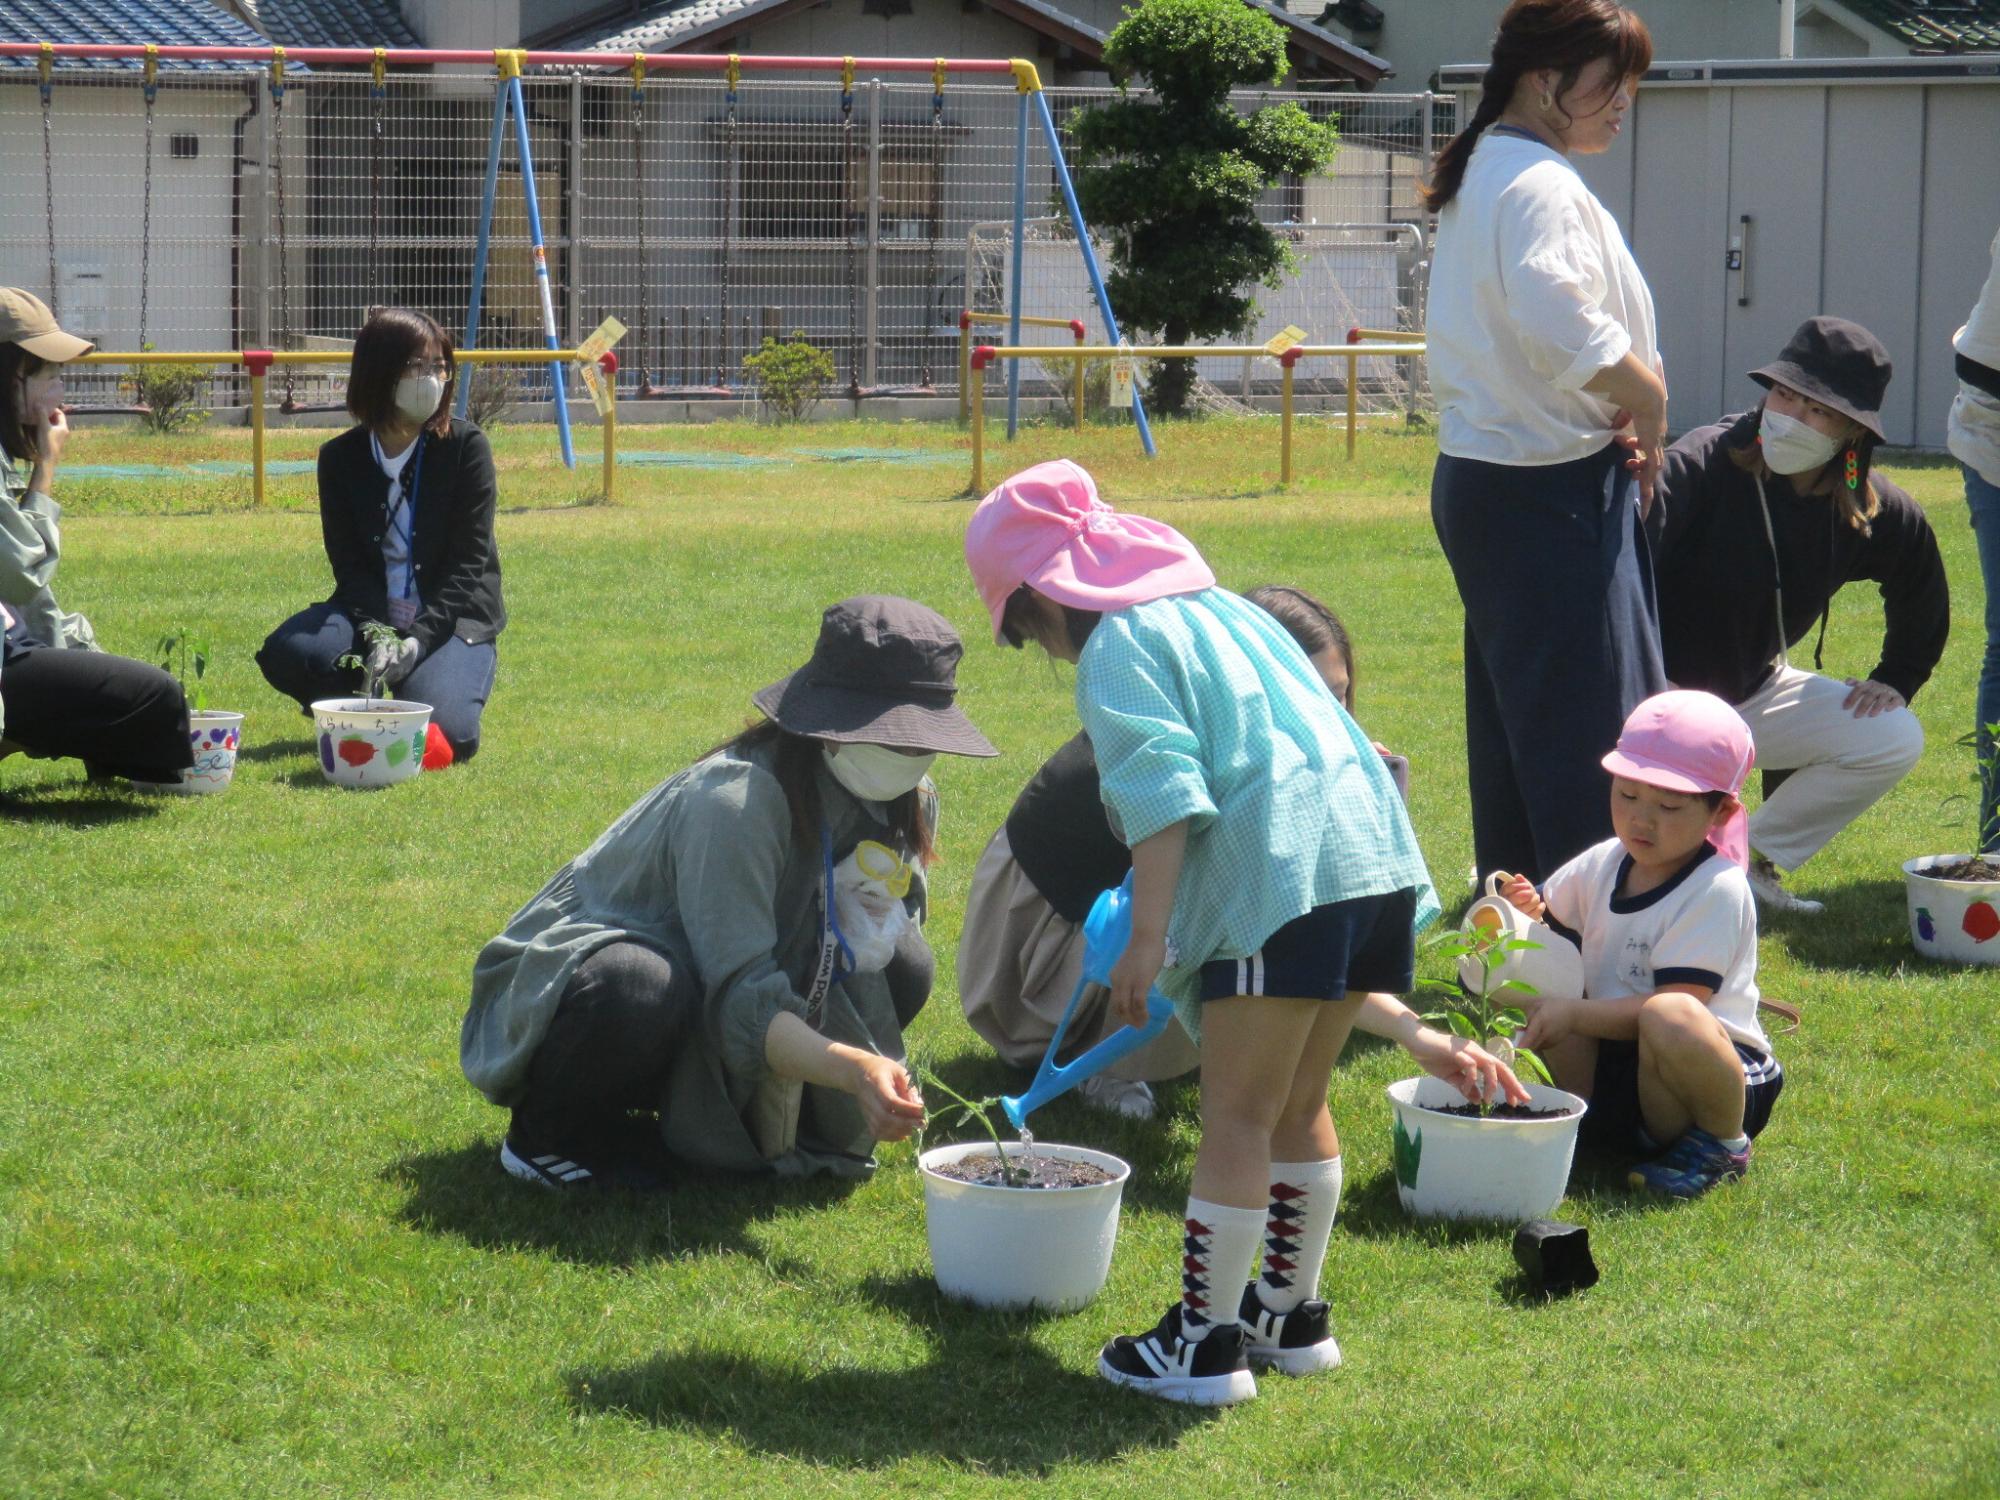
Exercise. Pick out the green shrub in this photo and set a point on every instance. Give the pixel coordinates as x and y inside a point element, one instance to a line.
<point>790,376</point>
<point>170,397</point>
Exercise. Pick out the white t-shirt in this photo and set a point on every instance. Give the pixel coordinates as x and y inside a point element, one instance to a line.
<point>1973,431</point>
<point>396,539</point>
<point>1698,928</point>
<point>1532,292</point>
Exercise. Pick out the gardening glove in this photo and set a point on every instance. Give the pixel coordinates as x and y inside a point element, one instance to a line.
<point>402,661</point>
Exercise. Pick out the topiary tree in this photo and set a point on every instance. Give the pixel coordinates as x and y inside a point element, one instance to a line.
<point>1174,181</point>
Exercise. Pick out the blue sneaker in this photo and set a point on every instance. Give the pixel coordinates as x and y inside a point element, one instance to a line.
<point>1693,1164</point>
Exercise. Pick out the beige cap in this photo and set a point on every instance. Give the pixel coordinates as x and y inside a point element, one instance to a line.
<point>26,320</point>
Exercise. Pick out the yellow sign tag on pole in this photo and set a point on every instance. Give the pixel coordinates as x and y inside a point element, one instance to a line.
<point>1288,337</point>
<point>1121,377</point>
<point>602,340</point>
<point>593,381</point>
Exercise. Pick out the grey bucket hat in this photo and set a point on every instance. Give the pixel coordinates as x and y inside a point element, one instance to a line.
<point>883,672</point>
<point>1836,363</point>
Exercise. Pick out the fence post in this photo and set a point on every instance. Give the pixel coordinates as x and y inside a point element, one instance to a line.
<point>263,333</point>
<point>1077,329</point>
<point>576,284</point>
<point>1286,360</point>
<point>979,360</point>
<point>1353,374</point>
<point>258,360</point>
<point>608,361</point>
<point>871,311</point>
<point>964,364</point>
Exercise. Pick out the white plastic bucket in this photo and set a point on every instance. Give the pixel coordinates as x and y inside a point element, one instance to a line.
<point>1955,921</point>
<point>214,736</point>
<point>1464,1167</point>
<point>1555,969</point>
<point>1021,1247</point>
<point>370,743</point>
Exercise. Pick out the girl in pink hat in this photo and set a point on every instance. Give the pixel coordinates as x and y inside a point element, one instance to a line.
<point>1665,1041</point>
<point>1275,882</point>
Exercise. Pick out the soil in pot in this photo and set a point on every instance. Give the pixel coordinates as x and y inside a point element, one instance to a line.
<point>1979,867</point>
<point>983,1170</point>
<point>1497,1112</point>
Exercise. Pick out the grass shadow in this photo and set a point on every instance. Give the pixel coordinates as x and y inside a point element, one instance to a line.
<point>464,1193</point>
<point>1865,927</point>
<point>80,804</point>
<point>969,1403</point>
<point>278,750</point>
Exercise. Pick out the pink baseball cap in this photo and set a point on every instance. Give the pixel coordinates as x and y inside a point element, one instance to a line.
<point>1046,527</point>
<point>1687,741</point>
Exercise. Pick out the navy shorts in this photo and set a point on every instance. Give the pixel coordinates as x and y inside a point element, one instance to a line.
<point>1613,1118</point>
<point>1368,943</point>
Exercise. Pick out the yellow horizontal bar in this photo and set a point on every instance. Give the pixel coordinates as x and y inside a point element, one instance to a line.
<point>328,357</point>
<point>1035,322</point>
<point>1197,351</point>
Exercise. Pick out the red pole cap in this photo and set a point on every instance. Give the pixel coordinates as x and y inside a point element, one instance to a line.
<point>1291,357</point>
<point>608,362</point>
<point>1354,335</point>
<point>982,356</point>
<point>1076,327</point>
<point>258,361</point>
<point>964,319</point>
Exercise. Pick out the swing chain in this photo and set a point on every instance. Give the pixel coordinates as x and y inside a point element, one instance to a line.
<point>937,216</point>
<point>290,403</point>
<point>646,387</point>
<point>152,91</point>
<point>46,69</point>
<point>731,76</point>
<point>848,227</point>
<point>378,147</point>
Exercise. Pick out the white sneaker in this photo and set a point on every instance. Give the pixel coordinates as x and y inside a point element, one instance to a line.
<point>1769,888</point>
<point>1121,1096</point>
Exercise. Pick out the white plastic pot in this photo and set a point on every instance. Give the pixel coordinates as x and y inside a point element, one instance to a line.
<point>1956,921</point>
<point>1021,1247</point>
<point>370,743</point>
<point>1464,1167</point>
<point>214,737</point>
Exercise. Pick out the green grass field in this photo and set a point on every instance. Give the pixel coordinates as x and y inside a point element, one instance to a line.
<point>255,1242</point>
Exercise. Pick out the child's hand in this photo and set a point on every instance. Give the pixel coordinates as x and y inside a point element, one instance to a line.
<point>1549,1022</point>
<point>1133,975</point>
<point>1523,897</point>
<point>1466,1066</point>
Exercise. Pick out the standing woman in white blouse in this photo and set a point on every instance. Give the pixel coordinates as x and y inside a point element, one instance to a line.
<point>1552,420</point>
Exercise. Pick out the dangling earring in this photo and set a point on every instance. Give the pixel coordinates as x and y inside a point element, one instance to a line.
<point>1853,471</point>
<point>1548,99</point>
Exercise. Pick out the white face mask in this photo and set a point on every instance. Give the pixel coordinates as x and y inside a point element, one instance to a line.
<point>875,773</point>
<point>1792,447</point>
<point>417,396</point>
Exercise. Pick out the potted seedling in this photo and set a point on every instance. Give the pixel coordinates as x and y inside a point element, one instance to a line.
<point>1491,1160</point>
<point>1954,899</point>
<point>1017,1225</point>
<point>213,733</point>
<point>374,740</point>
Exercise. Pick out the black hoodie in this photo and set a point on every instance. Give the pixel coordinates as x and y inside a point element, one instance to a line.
<point>1718,582</point>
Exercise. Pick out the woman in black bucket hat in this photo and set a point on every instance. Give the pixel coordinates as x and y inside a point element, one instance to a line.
<point>1762,517</point>
<point>724,976</point>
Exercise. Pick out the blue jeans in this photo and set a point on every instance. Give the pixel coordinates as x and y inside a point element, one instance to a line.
<point>298,660</point>
<point>1984,499</point>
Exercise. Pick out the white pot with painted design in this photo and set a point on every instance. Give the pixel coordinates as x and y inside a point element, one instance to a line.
<point>1474,1167</point>
<point>370,742</point>
<point>214,737</point>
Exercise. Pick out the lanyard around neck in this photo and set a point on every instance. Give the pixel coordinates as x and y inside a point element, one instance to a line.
<point>403,504</point>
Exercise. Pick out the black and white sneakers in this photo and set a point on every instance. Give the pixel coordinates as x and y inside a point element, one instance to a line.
<point>1292,1343</point>
<point>546,1169</point>
<point>1210,1371</point>
<point>623,1154</point>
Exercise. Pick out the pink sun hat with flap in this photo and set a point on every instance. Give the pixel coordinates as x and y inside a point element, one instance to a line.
<point>1046,527</point>
<point>1685,741</point>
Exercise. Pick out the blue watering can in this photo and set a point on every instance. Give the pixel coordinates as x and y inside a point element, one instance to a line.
<point>1106,931</point>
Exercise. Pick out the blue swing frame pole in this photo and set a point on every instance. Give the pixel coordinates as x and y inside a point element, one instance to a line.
<point>1020,259</point>
<point>1089,259</point>
<point>541,263</point>
<point>485,243</point>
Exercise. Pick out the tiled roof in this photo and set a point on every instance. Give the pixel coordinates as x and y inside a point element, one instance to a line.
<point>1958,26</point>
<point>670,26</point>
<point>191,23</point>
<point>1325,43</point>
<point>336,23</point>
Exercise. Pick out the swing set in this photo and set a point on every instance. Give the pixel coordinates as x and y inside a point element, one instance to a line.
<point>1033,109</point>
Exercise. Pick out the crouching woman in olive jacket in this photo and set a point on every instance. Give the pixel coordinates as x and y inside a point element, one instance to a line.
<point>704,959</point>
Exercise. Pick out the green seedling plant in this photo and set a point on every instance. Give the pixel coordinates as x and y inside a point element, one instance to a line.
<point>1482,1013</point>
<point>963,1111</point>
<point>373,634</point>
<point>186,656</point>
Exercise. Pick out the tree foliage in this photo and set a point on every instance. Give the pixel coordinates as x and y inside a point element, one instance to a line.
<point>1174,180</point>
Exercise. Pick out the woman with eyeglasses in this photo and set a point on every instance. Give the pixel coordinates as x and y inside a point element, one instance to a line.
<point>406,509</point>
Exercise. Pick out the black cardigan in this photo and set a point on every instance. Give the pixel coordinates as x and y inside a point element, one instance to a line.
<point>455,563</point>
<point>1717,578</point>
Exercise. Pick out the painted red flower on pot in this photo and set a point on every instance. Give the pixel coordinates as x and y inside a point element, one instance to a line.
<point>356,752</point>
<point>1981,921</point>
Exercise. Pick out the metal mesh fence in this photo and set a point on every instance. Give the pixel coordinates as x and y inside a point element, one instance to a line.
<point>705,221</point>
